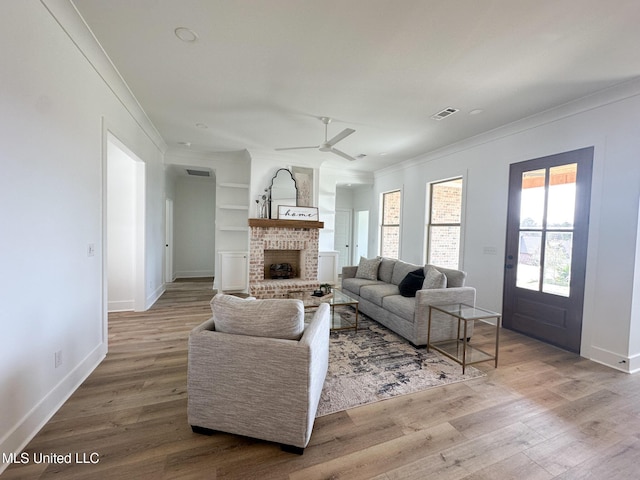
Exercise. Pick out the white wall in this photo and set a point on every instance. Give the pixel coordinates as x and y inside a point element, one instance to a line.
<point>56,111</point>
<point>264,166</point>
<point>121,229</point>
<point>344,198</point>
<point>228,168</point>
<point>329,181</point>
<point>611,123</point>
<point>194,227</point>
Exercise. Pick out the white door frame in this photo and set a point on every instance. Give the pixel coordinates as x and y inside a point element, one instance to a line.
<point>349,236</point>
<point>360,235</point>
<point>139,290</point>
<point>168,239</point>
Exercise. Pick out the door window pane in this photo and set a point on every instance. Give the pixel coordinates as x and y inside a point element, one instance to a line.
<point>528,268</point>
<point>532,199</point>
<point>562,196</point>
<point>557,263</point>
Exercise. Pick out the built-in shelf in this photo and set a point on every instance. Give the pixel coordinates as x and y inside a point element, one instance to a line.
<point>274,223</point>
<point>234,185</point>
<point>234,207</point>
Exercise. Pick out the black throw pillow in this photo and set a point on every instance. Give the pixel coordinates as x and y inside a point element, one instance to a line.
<point>412,283</point>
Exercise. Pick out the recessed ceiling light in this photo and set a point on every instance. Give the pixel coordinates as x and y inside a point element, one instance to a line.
<point>382,154</point>
<point>185,144</point>
<point>202,125</point>
<point>186,34</point>
<point>475,112</point>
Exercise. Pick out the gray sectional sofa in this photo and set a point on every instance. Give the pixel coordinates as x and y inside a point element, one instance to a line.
<point>408,316</point>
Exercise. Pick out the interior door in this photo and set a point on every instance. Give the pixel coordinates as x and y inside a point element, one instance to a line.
<point>547,226</point>
<point>361,236</point>
<point>342,238</point>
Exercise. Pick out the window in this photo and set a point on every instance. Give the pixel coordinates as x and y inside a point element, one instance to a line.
<point>547,211</point>
<point>444,224</point>
<point>390,228</point>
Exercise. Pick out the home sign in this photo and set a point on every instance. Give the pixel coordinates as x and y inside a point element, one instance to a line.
<point>286,212</point>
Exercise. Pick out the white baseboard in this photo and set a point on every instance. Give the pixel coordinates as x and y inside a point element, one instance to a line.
<point>155,295</point>
<point>121,306</point>
<point>612,359</point>
<point>634,364</point>
<point>27,427</point>
<point>193,274</point>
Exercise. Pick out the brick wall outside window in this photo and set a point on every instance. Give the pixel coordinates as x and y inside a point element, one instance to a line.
<point>390,229</point>
<point>444,223</point>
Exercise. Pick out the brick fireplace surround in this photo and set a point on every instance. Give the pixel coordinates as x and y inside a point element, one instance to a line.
<point>291,235</point>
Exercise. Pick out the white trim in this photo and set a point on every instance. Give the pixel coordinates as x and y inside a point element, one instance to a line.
<point>155,295</point>
<point>614,360</point>
<point>193,274</point>
<point>121,306</point>
<point>72,23</point>
<point>27,427</point>
<point>598,99</point>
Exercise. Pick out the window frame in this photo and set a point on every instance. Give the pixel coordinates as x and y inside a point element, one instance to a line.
<point>429,221</point>
<point>382,220</point>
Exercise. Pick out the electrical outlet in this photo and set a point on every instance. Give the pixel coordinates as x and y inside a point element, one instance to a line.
<point>57,358</point>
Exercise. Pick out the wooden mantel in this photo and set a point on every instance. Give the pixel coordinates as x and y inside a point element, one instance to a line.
<point>274,223</point>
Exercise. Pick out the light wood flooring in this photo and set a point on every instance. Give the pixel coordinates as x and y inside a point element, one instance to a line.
<point>543,413</point>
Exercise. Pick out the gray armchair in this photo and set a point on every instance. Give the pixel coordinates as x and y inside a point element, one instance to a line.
<point>258,386</point>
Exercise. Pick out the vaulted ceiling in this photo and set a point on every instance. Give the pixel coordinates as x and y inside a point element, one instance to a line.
<point>259,74</point>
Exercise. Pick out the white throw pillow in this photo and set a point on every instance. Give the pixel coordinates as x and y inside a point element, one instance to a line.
<point>433,278</point>
<point>273,318</point>
<point>368,268</point>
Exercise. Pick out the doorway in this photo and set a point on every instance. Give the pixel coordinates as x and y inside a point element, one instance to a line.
<point>342,240</point>
<point>361,235</point>
<point>125,221</point>
<point>546,247</point>
<point>168,237</point>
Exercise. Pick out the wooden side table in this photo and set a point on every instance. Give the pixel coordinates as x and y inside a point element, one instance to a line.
<point>459,349</point>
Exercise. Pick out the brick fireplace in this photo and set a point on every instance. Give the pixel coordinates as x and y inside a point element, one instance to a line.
<point>290,241</point>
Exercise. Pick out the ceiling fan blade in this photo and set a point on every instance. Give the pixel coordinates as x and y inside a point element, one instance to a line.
<point>341,136</point>
<point>342,154</point>
<point>296,148</point>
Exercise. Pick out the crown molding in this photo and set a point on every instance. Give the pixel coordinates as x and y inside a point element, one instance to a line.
<point>607,96</point>
<point>68,17</point>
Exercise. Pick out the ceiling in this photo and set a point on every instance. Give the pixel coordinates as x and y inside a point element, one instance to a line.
<point>262,73</point>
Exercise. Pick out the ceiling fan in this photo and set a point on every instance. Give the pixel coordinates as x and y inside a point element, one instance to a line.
<point>328,145</point>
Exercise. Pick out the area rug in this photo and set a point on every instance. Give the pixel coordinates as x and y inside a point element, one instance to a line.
<point>375,364</point>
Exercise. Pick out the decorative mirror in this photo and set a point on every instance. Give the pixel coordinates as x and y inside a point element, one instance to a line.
<point>283,191</point>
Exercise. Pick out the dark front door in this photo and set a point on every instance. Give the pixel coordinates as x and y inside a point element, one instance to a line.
<point>547,225</point>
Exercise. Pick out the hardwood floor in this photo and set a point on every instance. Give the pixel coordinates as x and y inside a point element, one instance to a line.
<point>543,413</point>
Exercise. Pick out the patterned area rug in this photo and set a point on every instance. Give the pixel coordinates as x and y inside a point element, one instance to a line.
<point>374,364</point>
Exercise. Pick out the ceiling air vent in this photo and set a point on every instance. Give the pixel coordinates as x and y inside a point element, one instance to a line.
<point>445,113</point>
<point>198,173</point>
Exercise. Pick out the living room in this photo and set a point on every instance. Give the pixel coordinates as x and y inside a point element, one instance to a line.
<point>62,96</point>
